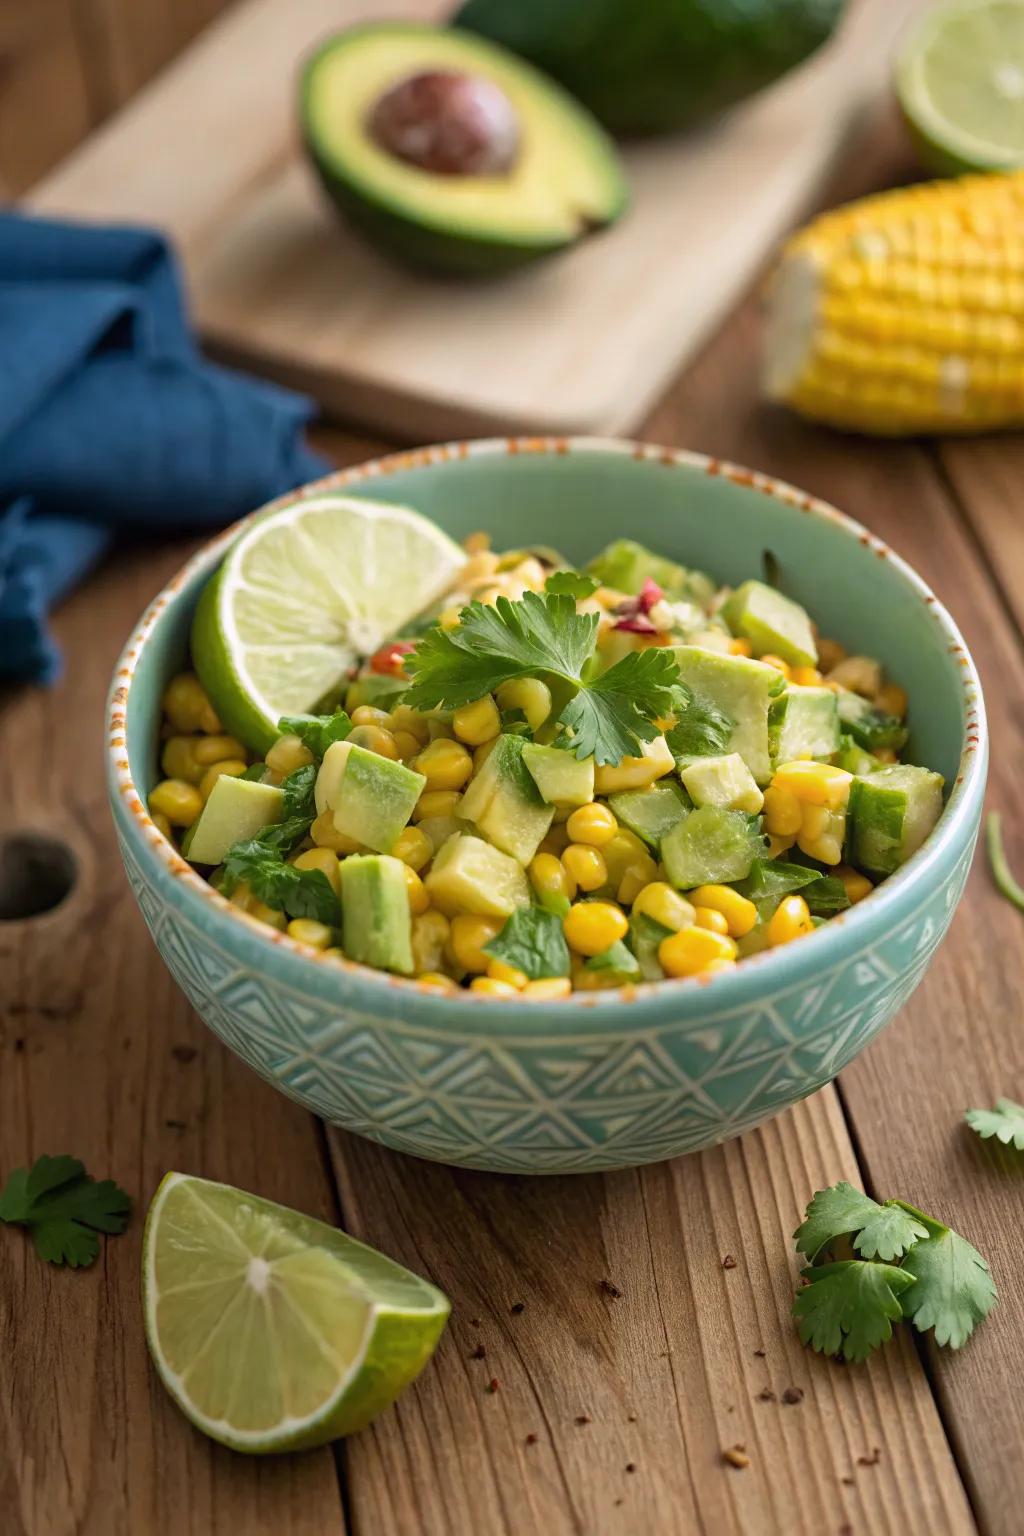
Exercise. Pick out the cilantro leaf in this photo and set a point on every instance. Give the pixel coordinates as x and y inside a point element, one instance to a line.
<point>317,732</point>
<point>826,896</point>
<point>63,1209</point>
<point>298,790</point>
<point>618,958</point>
<point>850,1307</point>
<point>296,892</point>
<point>883,1231</point>
<point>532,940</point>
<point>572,584</point>
<point>1005,1122</point>
<point>701,729</point>
<point>953,1290</point>
<point>255,772</point>
<point>771,879</point>
<point>610,715</point>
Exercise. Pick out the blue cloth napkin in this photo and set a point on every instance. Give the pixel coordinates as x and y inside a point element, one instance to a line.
<point>111,422</point>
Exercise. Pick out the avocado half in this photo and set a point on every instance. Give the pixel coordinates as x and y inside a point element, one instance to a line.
<point>561,178</point>
<point>651,66</point>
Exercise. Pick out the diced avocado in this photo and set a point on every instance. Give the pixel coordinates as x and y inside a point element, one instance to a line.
<point>236,809</point>
<point>469,875</point>
<point>438,829</point>
<point>724,781</point>
<point>644,937</point>
<point>652,812</point>
<point>451,153</point>
<point>869,728</point>
<point>561,778</point>
<point>854,758</point>
<point>504,803</point>
<point>371,796</point>
<point>711,846</point>
<point>654,762</point>
<point>374,688</point>
<point>625,565</point>
<point>804,722</point>
<point>771,879</point>
<point>890,814</point>
<point>376,921</point>
<point>743,690</point>
<point>772,623</point>
<point>618,961</point>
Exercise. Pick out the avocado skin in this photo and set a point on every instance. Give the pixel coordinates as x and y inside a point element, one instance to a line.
<point>652,66</point>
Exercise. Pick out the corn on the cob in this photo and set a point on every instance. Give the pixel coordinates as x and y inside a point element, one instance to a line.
<point>904,312</point>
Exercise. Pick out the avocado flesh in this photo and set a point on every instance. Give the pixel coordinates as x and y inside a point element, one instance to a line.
<point>376,919</point>
<point>890,814</point>
<point>651,66</point>
<point>236,809</point>
<point>804,722</point>
<point>372,798</point>
<point>566,179</point>
<point>772,623</point>
<point>469,875</point>
<point>505,805</point>
<point>723,781</point>
<point>743,690</point>
<point>710,846</point>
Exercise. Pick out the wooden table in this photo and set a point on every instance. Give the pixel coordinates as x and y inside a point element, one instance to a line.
<point>631,1399</point>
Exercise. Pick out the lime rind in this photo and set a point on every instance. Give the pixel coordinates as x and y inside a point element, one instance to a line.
<point>393,1318</point>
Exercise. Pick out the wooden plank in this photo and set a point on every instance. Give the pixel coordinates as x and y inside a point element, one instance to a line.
<point>985,476</point>
<point>100,1055</point>
<point>587,341</point>
<point>41,61</point>
<point>140,38</point>
<point>958,1042</point>
<point>666,1377</point>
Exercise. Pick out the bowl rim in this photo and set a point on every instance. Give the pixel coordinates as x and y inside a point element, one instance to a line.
<point>758,974</point>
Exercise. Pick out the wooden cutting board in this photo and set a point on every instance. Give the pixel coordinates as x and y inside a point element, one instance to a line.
<point>583,343</point>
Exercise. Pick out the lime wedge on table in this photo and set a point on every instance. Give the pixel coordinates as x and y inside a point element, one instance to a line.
<point>960,80</point>
<point>302,594</point>
<point>273,1331</point>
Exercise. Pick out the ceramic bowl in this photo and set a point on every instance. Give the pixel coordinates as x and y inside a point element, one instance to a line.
<point>600,1080</point>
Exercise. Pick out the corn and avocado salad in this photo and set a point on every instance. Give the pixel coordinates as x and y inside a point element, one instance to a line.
<point>561,781</point>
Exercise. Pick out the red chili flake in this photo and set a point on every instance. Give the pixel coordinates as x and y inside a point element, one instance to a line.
<point>793,1395</point>
<point>728,1262</point>
<point>389,661</point>
<point>478,1354</point>
<point>635,624</point>
<point>766,1395</point>
<point>583,1418</point>
<point>632,614</point>
<point>872,1460</point>
<point>607,1289</point>
<point>531,1438</point>
<point>517,1307</point>
<point>493,1384</point>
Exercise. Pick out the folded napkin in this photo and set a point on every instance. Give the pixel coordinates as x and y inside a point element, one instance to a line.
<point>111,423</point>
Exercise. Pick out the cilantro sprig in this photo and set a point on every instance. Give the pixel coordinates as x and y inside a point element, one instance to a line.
<point>909,1266</point>
<point>533,941</point>
<point>607,717</point>
<point>1005,1123</point>
<point>64,1209</point>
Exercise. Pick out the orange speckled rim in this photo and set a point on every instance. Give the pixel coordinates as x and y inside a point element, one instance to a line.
<point>958,808</point>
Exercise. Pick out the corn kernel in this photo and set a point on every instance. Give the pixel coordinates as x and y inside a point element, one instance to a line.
<point>585,866</point>
<point>636,772</point>
<point>162,824</point>
<point>591,927</point>
<point>233,767</point>
<point>479,570</point>
<point>692,950</point>
<point>419,901</point>
<point>885,754</point>
<point>861,674</point>
<point>187,706</point>
<point>783,812</point>
<point>368,714</point>
<point>287,754</point>
<point>663,903</point>
<point>469,934</point>
<point>807,677</point>
<point>430,933</point>
<point>593,824</point>
<point>181,803</point>
<point>413,847</point>
<point>547,988</point>
<point>444,765</point>
<point>857,885</point>
<point>528,694</point>
<point>406,745</point>
<point>790,920</point>
<point>306,930</point>
<point>821,833</point>
<point>812,783</point>
<point>739,913</point>
<point>499,971</point>
<point>437,979</point>
<point>491,988</point>
<point>550,878</point>
<point>214,749</point>
<point>323,859</point>
<point>448,618</point>
<point>436,802</point>
<point>335,952</point>
<point>477,723</point>
<point>740,646</point>
<point>771,660</point>
<point>326,835</point>
<point>475,543</point>
<point>178,759</point>
<point>779,845</point>
<point>715,967</point>
<point>830,654</point>
<point>269,916</point>
<point>374,738</point>
<point>405,718</point>
<point>707,917</point>
<point>438,726</point>
<point>556,840</point>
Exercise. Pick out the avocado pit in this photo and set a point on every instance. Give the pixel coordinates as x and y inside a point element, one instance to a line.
<point>448,122</point>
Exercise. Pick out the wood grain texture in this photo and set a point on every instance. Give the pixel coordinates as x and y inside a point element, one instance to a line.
<point>42,59</point>
<point>634,1399</point>
<point>587,341</point>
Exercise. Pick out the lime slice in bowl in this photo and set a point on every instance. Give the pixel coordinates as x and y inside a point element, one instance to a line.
<point>273,1331</point>
<point>303,593</point>
<point>960,82</point>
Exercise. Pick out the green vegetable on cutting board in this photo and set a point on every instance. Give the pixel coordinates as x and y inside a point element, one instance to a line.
<point>652,66</point>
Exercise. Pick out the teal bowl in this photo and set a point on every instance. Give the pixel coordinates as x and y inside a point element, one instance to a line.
<point>608,1079</point>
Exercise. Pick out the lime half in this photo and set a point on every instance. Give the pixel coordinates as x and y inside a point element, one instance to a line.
<point>273,1331</point>
<point>960,81</point>
<point>303,593</point>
